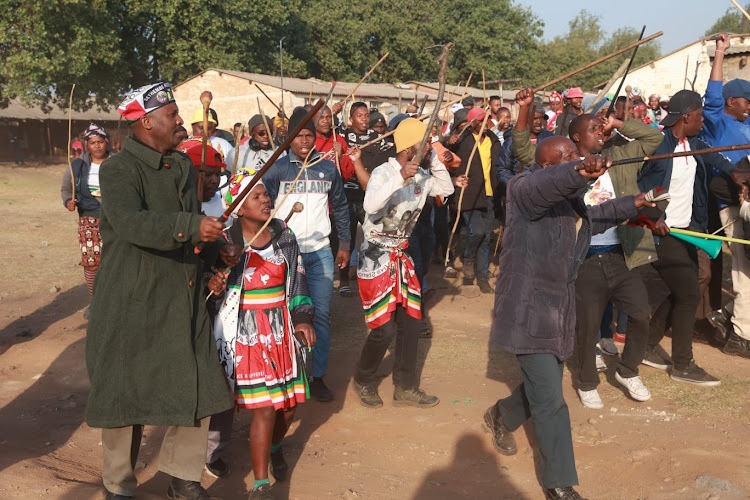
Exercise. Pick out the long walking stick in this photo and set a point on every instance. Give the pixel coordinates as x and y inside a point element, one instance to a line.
<point>599,61</point>
<point>680,154</point>
<point>206,98</point>
<point>265,123</point>
<point>70,134</point>
<point>351,94</point>
<point>744,12</point>
<point>463,190</point>
<point>443,64</point>
<point>627,70</point>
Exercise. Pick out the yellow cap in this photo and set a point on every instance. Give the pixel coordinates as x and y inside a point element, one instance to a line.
<point>198,117</point>
<point>408,133</point>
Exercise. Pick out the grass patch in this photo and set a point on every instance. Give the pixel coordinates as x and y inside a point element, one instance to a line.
<point>729,399</point>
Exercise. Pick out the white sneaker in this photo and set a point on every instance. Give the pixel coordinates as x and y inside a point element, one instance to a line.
<point>635,387</point>
<point>601,366</point>
<point>591,399</point>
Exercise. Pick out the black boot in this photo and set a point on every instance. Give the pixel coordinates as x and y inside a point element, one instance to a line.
<point>502,437</point>
<point>469,271</point>
<point>567,493</point>
<point>186,490</point>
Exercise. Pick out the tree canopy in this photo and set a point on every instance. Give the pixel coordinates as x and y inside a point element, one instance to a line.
<point>731,22</point>
<point>586,42</point>
<point>108,47</point>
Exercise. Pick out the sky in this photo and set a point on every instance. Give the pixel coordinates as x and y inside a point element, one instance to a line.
<point>681,26</point>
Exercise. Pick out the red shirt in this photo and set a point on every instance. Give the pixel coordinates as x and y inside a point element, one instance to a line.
<point>323,145</point>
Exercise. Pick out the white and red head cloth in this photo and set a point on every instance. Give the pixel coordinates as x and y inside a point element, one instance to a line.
<point>146,99</point>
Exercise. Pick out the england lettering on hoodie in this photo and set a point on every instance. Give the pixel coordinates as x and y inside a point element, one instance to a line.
<point>318,186</point>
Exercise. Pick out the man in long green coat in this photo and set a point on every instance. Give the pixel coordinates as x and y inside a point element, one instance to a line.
<point>150,353</point>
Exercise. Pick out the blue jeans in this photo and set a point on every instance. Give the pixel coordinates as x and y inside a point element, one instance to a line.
<point>319,271</point>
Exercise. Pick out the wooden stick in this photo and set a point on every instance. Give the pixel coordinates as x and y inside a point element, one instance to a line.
<point>443,66</point>
<point>731,35</point>
<point>237,138</point>
<point>744,12</point>
<point>499,237</point>
<point>377,139</point>
<point>680,154</point>
<point>625,75</point>
<point>70,135</point>
<point>351,94</point>
<point>484,89</point>
<point>278,205</point>
<point>309,99</point>
<point>269,99</point>
<point>726,225</point>
<point>265,122</point>
<point>708,236</point>
<point>603,92</point>
<point>666,156</point>
<point>296,208</point>
<point>290,137</point>
<point>206,98</point>
<point>463,190</point>
<point>422,105</point>
<point>463,94</point>
<point>599,61</point>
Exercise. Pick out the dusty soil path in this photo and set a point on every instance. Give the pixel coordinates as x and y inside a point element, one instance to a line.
<point>686,443</point>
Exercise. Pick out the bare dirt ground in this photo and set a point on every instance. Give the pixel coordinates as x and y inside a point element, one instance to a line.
<point>686,443</point>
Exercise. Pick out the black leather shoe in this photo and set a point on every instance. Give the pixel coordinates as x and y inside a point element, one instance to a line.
<point>484,286</point>
<point>183,489</point>
<point>320,391</point>
<point>736,345</point>
<point>279,467</point>
<point>502,437</point>
<point>567,493</point>
<point>218,469</point>
<point>115,496</point>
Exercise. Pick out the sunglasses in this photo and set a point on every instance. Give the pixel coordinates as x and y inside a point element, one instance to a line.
<point>261,133</point>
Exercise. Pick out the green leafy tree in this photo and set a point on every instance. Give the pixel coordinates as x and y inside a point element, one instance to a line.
<point>107,47</point>
<point>586,42</point>
<point>731,22</point>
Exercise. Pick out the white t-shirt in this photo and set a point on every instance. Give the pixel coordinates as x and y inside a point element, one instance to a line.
<point>602,190</point>
<point>680,208</point>
<point>93,179</point>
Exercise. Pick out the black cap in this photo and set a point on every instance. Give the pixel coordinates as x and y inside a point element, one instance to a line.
<point>375,117</point>
<point>467,101</point>
<point>682,103</point>
<point>459,117</point>
<point>297,116</point>
<point>255,121</point>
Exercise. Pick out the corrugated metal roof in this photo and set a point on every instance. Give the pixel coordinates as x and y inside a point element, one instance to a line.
<point>457,90</point>
<point>320,88</point>
<point>17,110</point>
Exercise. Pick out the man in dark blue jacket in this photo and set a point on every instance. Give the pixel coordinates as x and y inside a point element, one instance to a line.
<point>535,298</point>
<point>686,178</point>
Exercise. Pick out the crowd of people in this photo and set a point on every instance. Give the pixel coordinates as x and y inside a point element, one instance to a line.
<point>601,240</point>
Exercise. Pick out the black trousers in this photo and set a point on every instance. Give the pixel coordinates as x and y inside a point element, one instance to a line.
<point>406,329</point>
<point>356,215</point>
<point>540,397</point>
<point>678,268</point>
<point>603,277</point>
